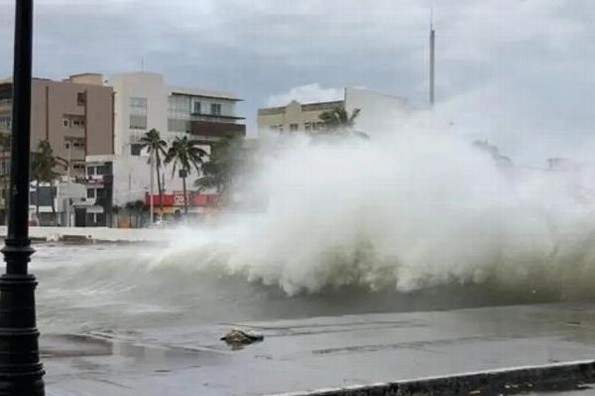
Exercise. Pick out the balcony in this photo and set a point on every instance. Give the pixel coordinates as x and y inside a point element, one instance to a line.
<point>94,180</point>
<point>211,129</point>
<point>215,117</point>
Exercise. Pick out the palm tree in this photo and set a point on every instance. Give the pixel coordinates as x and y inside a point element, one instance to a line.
<point>338,119</point>
<point>136,209</point>
<point>157,148</point>
<point>186,154</point>
<point>43,163</point>
<point>493,150</point>
<point>218,173</point>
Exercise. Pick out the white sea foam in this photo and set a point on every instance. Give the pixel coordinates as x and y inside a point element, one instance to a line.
<point>406,209</point>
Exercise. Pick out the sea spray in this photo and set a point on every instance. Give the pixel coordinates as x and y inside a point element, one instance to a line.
<point>412,220</point>
<point>405,210</point>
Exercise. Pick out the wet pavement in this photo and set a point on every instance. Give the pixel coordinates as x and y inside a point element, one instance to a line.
<point>309,354</point>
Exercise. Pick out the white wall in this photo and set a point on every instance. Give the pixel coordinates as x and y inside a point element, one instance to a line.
<point>143,85</point>
<point>132,178</point>
<point>379,113</point>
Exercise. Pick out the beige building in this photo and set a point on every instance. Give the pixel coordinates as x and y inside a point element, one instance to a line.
<point>74,115</point>
<point>377,112</point>
<point>295,116</point>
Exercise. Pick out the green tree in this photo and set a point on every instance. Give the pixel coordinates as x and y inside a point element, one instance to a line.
<point>43,163</point>
<point>136,209</point>
<point>492,150</point>
<point>185,155</point>
<point>338,119</point>
<point>218,173</point>
<point>157,149</point>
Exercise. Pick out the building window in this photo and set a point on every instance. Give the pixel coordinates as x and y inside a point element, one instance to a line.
<point>196,109</point>
<point>138,106</point>
<point>293,127</point>
<point>90,170</point>
<point>138,122</point>
<point>138,113</point>
<point>179,107</point>
<point>77,143</point>
<point>91,193</point>
<point>81,98</point>
<point>215,108</point>
<point>73,122</point>
<point>100,170</point>
<point>135,149</point>
<point>177,125</point>
<point>307,126</point>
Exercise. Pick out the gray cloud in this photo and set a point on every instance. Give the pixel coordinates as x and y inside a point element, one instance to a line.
<point>518,71</point>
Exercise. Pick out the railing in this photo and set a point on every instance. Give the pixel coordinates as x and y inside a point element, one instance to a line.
<point>89,180</point>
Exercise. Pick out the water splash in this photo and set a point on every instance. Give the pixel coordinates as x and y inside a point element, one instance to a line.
<point>403,211</point>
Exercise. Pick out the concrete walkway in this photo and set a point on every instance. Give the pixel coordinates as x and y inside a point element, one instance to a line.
<point>309,354</point>
<point>98,233</point>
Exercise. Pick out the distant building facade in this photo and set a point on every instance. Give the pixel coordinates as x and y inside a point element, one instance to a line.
<point>53,201</point>
<point>144,102</point>
<point>74,115</point>
<point>94,127</point>
<point>295,116</point>
<point>378,111</point>
<point>114,182</point>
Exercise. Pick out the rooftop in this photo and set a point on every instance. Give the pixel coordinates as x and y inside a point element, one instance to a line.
<point>203,93</point>
<point>316,106</point>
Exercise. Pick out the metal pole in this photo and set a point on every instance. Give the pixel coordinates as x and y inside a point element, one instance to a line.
<point>432,63</point>
<point>68,184</point>
<point>21,372</point>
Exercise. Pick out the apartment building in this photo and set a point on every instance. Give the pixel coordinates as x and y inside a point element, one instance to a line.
<point>377,112</point>
<point>295,116</point>
<point>75,115</point>
<point>144,101</point>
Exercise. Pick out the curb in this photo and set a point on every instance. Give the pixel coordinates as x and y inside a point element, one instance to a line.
<point>509,381</point>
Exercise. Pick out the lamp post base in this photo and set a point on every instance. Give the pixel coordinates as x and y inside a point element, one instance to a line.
<point>21,373</point>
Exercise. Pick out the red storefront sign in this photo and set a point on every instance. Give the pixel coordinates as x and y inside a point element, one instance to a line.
<point>177,199</point>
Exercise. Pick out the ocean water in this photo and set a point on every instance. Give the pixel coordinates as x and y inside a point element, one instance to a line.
<point>402,222</point>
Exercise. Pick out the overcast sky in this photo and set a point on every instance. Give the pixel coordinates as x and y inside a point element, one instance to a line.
<point>519,72</point>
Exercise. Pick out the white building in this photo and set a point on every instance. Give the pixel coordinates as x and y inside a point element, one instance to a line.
<point>131,178</point>
<point>143,101</point>
<point>54,206</point>
<point>378,113</point>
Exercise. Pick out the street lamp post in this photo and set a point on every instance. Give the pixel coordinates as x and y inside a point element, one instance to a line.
<point>69,146</point>
<point>21,372</point>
